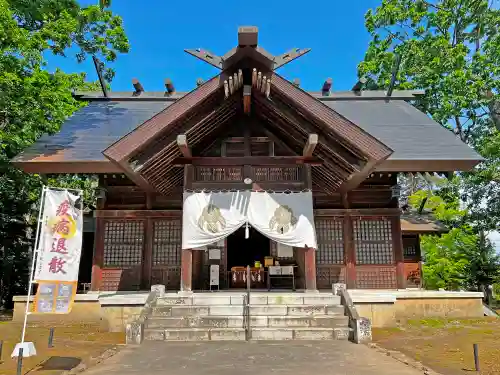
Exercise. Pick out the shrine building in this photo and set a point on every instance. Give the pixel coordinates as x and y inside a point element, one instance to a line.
<point>250,169</point>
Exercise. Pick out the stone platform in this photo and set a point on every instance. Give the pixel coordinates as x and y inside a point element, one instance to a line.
<point>225,316</point>
<point>114,310</point>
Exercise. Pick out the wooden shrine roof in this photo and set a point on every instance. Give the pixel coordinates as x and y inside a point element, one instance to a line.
<point>412,223</point>
<point>419,143</point>
<point>358,131</point>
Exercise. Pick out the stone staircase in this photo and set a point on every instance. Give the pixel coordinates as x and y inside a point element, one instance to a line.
<point>224,316</point>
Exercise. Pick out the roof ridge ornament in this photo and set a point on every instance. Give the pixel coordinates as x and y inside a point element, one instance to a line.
<point>247,46</point>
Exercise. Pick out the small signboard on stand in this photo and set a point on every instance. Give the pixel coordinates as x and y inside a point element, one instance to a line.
<point>214,276</point>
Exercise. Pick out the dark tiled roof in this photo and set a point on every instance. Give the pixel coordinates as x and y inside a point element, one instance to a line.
<point>409,132</point>
<point>90,130</point>
<point>421,223</point>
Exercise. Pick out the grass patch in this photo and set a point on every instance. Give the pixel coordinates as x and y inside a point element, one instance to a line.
<point>446,344</point>
<point>73,344</point>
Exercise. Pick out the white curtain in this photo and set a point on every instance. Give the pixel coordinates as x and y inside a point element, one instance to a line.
<point>285,218</point>
<point>211,217</point>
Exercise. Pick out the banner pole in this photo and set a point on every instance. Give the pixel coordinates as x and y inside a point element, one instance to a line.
<point>32,271</point>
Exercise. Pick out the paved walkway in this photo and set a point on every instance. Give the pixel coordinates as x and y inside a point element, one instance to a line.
<point>256,358</point>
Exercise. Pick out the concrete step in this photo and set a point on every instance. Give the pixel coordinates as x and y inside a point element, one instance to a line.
<point>310,333</point>
<point>326,321</point>
<point>200,299</point>
<point>237,310</point>
<point>195,334</point>
<point>195,322</point>
<point>259,298</point>
<point>294,299</point>
<point>299,321</point>
<point>281,310</point>
<point>192,310</point>
<point>238,334</point>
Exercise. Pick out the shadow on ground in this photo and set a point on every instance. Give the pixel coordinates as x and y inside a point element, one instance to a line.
<point>60,363</point>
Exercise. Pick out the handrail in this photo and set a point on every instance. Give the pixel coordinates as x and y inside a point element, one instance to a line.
<point>248,333</point>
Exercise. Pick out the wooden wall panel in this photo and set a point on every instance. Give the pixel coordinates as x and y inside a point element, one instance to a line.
<point>330,254</point>
<point>373,241</point>
<point>122,255</point>
<point>166,258</point>
<point>376,277</point>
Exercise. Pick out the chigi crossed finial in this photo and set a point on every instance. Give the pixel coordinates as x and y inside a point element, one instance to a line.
<point>248,47</point>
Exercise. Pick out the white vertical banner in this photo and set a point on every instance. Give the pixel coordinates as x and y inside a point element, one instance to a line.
<point>60,245</point>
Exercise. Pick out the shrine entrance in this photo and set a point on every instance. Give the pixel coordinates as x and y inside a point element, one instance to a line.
<point>243,252</point>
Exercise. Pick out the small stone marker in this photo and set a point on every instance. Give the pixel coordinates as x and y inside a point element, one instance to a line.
<point>159,289</point>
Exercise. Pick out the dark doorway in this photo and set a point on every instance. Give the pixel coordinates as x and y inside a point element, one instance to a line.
<point>85,271</point>
<point>242,252</point>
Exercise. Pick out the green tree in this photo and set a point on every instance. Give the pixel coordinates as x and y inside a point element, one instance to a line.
<point>33,102</point>
<point>444,262</point>
<point>461,258</point>
<point>61,24</point>
<point>450,48</point>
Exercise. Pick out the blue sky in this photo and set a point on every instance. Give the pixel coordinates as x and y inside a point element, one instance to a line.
<point>160,30</point>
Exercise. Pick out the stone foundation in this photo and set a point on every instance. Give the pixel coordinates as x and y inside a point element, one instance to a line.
<point>382,308</point>
<point>112,312</point>
<point>385,308</point>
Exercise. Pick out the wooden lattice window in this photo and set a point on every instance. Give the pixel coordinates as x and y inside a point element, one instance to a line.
<point>410,247</point>
<point>326,275</point>
<point>329,235</point>
<point>167,242</point>
<point>373,241</point>
<point>376,277</point>
<point>270,174</point>
<point>123,243</point>
<point>218,174</point>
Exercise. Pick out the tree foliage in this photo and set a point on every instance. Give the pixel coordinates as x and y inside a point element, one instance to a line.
<point>451,49</point>
<point>460,259</point>
<point>34,102</point>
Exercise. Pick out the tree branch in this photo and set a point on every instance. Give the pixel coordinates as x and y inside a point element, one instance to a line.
<point>432,5</point>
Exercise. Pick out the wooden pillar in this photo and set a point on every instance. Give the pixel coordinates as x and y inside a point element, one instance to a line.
<point>197,269</point>
<point>98,257</point>
<point>187,270</point>
<point>310,266</point>
<point>147,258</point>
<point>349,252</point>
<point>397,243</point>
<point>420,264</point>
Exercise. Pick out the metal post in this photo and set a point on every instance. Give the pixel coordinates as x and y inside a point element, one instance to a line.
<point>476,356</point>
<point>1,348</point>
<point>32,270</point>
<point>247,307</point>
<point>51,338</point>
<point>20,362</point>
